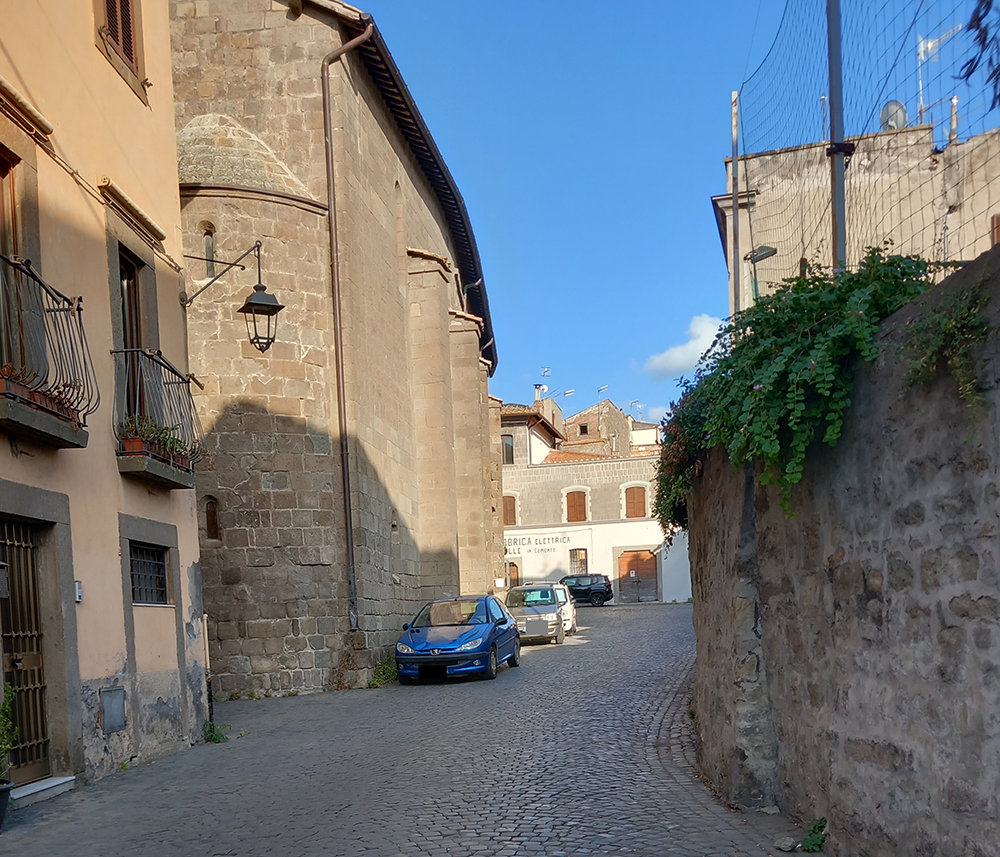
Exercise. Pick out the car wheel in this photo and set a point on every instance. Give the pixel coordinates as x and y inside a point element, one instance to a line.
<point>560,635</point>
<point>491,664</point>
<point>515,657</point>
<point>597,599</point>
<point>406,679</point>
<point>572,628</point>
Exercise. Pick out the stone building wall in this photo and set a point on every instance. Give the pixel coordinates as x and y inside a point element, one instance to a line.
<point>251,146</point>
<point>540,489</point>
<point>847,656</point>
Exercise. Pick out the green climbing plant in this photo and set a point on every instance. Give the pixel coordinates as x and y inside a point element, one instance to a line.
<point>945,336</point>
<point>780,374</point>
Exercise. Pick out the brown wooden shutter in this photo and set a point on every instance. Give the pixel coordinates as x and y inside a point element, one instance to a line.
<point>576,506</point>
<point>121,29</point>
<point>509,512</point>
<point>635,502</point>
<point>995,230</point>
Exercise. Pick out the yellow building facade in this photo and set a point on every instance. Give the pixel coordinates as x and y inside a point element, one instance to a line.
<point>101,619</point>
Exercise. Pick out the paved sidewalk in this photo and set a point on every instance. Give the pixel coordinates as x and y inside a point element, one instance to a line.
<point>585,749</point>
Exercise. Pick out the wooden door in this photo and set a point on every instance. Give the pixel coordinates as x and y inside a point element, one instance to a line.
<point>637,577</point>
<point>21,645</point>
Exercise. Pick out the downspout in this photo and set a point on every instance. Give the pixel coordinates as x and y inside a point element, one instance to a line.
<point>338,334</point>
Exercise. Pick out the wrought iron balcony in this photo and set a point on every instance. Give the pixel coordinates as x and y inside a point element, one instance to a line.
<point>159,434</point>
<point>48,387</point>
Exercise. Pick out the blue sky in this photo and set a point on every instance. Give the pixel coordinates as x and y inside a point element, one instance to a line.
<point>587,139</point>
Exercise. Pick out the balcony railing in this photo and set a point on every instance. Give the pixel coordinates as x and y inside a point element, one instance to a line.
<point>44,357</point>
<point>155,415</point>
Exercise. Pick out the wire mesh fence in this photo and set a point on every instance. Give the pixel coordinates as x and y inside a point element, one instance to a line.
<point>925,168</point>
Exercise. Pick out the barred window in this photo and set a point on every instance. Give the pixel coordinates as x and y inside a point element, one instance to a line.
<point>149,573</point>
<point>578,561</point>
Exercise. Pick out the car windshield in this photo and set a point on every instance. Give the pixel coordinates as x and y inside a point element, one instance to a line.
<point>451,613</point>
<point>530,597</point>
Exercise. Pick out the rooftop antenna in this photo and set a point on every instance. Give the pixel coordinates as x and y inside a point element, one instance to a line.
<point>927,50</point>
<point>632,404</point>
<point>546,371</point>
<point>601,389</point>
<point>568,393</point>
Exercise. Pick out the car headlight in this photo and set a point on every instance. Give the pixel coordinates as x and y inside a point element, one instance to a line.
<point>404,649</point>
<point>468,647</point>
<point>552,617</point>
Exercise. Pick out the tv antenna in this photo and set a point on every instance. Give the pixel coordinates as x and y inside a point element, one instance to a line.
<point>568,393</point>
<point>546,371</point>
<point>927,51</point>
<point>601,389</point>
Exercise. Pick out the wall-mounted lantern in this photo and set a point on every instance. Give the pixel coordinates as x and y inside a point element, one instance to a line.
<point>260,310</point>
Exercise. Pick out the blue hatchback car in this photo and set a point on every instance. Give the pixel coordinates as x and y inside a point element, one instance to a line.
<point>458,636</point>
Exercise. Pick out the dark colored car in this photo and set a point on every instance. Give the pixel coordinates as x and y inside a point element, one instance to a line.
<point>595,588</point>
<point>458,636</point>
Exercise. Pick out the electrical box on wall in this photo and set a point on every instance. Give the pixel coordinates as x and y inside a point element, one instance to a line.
<point>78,591</point>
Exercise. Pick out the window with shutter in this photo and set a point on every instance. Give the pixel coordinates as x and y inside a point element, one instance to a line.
<point>509,512</point>
<point>119,36</point>
<point>8,207</point>
<point>120,24</point>
<point>576,506</point>
<point>635,502</point>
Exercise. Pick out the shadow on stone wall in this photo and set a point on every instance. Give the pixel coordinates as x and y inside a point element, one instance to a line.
<point>274,559</point>
<point>847,656</point>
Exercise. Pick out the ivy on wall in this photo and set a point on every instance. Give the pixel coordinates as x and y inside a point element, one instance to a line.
<point>780,374</point>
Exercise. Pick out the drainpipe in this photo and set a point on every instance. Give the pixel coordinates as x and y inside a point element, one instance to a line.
<point>338,334</point>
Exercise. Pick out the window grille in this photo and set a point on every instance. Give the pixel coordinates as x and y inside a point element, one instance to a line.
<point>149,574</point>
<point>578,561</point>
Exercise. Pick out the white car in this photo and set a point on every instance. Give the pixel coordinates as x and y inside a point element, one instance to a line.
<point>544,611</point>
<point>567,607</point>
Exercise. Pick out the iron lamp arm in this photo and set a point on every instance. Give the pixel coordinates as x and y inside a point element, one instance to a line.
<point>187,301</point>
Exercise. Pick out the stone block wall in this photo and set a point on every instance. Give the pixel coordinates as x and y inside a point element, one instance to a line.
<point>848,655</point>
<point>251,147</point>
<point>540,488</point>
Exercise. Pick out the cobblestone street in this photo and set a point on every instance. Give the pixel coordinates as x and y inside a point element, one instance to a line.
<point>584,749</point>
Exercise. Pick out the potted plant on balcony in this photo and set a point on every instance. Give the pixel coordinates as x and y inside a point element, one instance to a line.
<point>142,435</point>
<point>8,735</point>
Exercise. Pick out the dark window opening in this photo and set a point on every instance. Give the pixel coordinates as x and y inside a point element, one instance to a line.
<point>129,267</point>
<point>209,254</point>
<point>212,518</point>
<point>995,230</point>
<point>148,565</point>
<point>584,429</point>
<point>508,448</point>
<point>8,208</point>
<point>576,506</point>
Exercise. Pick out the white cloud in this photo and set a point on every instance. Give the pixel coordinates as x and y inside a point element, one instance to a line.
<point>682,358</point>
<point>657,413</point>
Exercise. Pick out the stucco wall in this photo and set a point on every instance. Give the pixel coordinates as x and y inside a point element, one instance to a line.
<point>847,656</point>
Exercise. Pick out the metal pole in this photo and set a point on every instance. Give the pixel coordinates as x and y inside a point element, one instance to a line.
<point>837,149</point>
<point>338,331</point>
<point>737,268</point>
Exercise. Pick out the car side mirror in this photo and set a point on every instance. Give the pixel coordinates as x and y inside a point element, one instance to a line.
<point>406,627</point>
<point>500,620</point>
